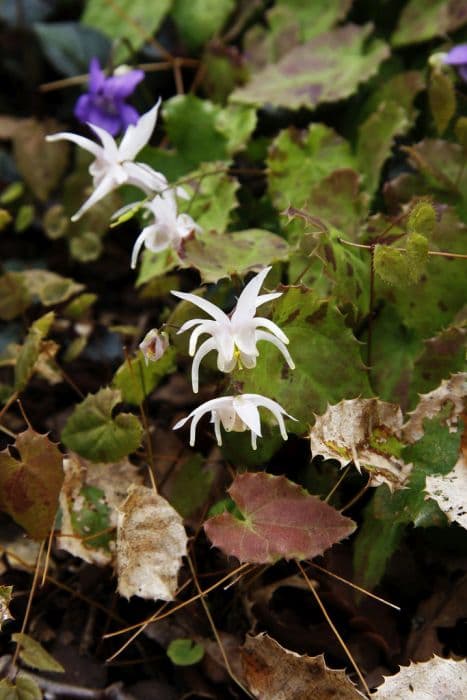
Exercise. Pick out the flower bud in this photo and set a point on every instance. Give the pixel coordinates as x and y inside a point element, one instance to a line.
<point>154,345</point>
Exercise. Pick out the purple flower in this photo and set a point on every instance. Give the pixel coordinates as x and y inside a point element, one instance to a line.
<point>104,105</point>
<point>457,57</point>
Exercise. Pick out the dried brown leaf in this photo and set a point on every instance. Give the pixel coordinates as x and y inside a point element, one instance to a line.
<point>151,542</point>
<point>437,679</point>
<point>275,673</point>
<point>280,520</point>
<point>366,432</point>
<point>452,392</point>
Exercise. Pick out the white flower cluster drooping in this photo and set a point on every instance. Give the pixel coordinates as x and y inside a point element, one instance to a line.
<point>115,165</point>
<point>235,340</point>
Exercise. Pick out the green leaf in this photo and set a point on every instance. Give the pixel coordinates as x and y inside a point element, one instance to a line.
<point>421,20</point>
<point>316,17</point>
<point>201,141</point>
<point>5,219</point>
<point>24,688</point>
<point>92,517</point>
<point>212,197</point>
<point>50,287</point>
<point>156,264</point>
<point>185,652</point>
<point>236,123</point>
<point>217,256</point>
<point>199,20</point>
<point>76,308</point>
<point>138,380</point>
<point>69,46</point>
<point>14,296</point>
<point>442,98</point>
<point>325,371</point>
<point>12,192</point>
<point>30,350</point>
<point>133,20</point>
<point>422,218</point>
<point>93,433</point>
<point>86,247</point>
<point>402,268</point>
<point>191,486</point>
<point>34,655</point>
<point>327,68</point>
<point>24,217</point>
<point>375,140</point>
<point>31,483</point>
<point>460,129</point>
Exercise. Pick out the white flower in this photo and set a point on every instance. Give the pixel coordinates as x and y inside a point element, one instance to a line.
<point>154,345</point>
<point>236,413</point>
<point>235,338</point>
<point>113,165</point>
<point>169,227</point>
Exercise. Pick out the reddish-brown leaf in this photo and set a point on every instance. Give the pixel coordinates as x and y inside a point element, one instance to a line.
<point>281,520</point>
<point>30,484</point>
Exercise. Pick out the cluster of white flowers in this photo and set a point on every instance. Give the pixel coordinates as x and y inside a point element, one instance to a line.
<point>115,165</point>
<point>235,337</point>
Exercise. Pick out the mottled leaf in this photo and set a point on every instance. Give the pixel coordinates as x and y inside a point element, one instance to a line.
<point>217,256</point>
<point>445,679</point>
<point>327,68</point>
<point>151,542</point>
<point>213,197</point>
<point>366,432</point>
<point>324,371</point>
<point>95,434</point>
<point>421,20</point>
<point>30,483</point>
<point>279,520</point>
<point>34,655</point>
<point>275,673</point>
<point>450,492</point>
<point>450,394</point>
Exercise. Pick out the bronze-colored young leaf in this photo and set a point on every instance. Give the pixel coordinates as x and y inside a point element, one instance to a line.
<point>151,542</point>
<point>366,432</point>
<point>30,484</point>
<point>34,655</point>
<point>280,520</point>
<point>275,673</point>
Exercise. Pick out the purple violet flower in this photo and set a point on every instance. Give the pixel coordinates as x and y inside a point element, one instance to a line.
<point>104,105</point>
<point>457,57</point>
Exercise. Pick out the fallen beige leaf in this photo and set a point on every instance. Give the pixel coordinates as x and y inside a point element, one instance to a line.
<point>450,492</point>
<point>437,679</point>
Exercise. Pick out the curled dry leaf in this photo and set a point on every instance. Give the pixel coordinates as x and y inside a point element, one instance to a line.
<point>366,432</point>
<point>437,679</point>
<point>451,391</point>
<point>151,542</point>
<point>450,492</point>
<point>275,673</point>
<point>280,520</point>
<point>90,496</point>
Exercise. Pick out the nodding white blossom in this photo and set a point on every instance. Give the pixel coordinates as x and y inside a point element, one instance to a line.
<point>154,345</point>
<point>113,165</point>
<point>236,413</point>
<point>235,338</point>
<point>169,228</point>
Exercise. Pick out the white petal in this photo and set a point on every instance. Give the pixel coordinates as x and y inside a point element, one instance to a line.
<point>217,427</point>
<point>249,414</point>
<point>137,135</point>
<point>275,408</point>
<point>203,350</point>
<point>272,327</point>
<point>264,298</point>
<point>137,248</point>
<point>245,339</point>
<point>262,335</point>
<point>110,147</point>
<point>106,186</point>
<point>207,327</point>
<point>190,324</point>
<point>206,305</point>
<point>144,177</point>
<point>80,141</point>
<point>246,304</point>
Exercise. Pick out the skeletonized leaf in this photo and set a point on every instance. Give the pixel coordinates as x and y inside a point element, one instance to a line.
<point>89,499</point>
<point>95,434</point>
<point>275,673</point>
<point>151,542</point>
<point>6,593</point>
<point>450,492</point>
<point>30,484</point>
<point>451,392</point>
<point>280,520</point>
<point>34,655</point>
<point>439,679</point>
<point>366,432</point>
